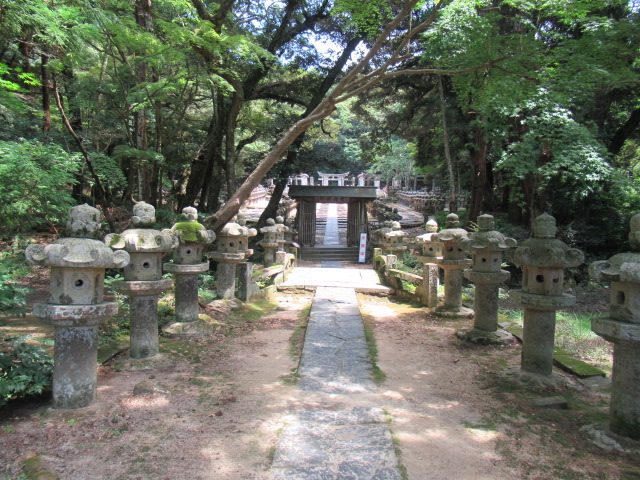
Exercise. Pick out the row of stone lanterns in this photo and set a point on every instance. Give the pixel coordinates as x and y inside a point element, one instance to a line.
<point>78,265</point>
<point>544,259</point>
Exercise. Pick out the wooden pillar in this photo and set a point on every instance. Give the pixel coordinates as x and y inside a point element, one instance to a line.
<point>356,221</point>
<point>307,222</point>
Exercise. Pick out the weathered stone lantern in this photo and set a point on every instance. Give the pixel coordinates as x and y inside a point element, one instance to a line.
<point>76,305</point>
<point>431,251</point>
<point>395,242</point>
<point>282,231</point>
<point>232,248</point>
<point>269,242</point>
<point>377,237</point>
<point>486,246</point>
<point>192,238</point>
<point>622,328</point>
<point>143,281</point>
<point>453,261</point>
<point>543,259</point>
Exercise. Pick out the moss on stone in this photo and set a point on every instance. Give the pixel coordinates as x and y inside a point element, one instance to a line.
<point>115,239</point>
<point>189,230</point>
<point>575,366</point>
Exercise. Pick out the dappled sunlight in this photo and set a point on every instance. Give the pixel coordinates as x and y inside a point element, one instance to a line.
<point>393,395</point>
<point>442,406</point>
<point>380,311</point>
<point>481,435</point>
<point>151,400</point>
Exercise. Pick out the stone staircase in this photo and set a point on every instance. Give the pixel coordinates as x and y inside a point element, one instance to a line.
<point>329,254</point>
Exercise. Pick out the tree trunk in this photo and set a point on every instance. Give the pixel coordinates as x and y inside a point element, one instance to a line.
<point>146,192</point>
<point>453,204</point>
<point>479,181</point>
<point>271,211</point>
<point>46,94</point>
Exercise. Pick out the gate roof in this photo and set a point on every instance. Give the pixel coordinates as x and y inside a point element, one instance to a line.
<point>321,194</point>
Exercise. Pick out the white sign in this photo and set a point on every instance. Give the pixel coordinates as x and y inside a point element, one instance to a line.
<point>362,253</point>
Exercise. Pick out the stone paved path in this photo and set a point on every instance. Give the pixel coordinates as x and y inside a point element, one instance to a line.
<point>338,432</point>
<point>331,236</point>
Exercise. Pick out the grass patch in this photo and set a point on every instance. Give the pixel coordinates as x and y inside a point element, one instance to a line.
<point>378,375</point>
<point>296,344</point>
<point>574,335</point>
<point>252,312</point>
<point>401,468</point>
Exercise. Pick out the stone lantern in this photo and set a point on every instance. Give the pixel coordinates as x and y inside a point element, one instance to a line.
<point>192,238</point>
<point>453,261</point>
<point>486,246</point>
<point>431,251</point>
<point>622,328</point>
<point>76,305</point>
<point>282,231</point>
<point>269,242</point>
<point>377,236</point>
<point>143,281</point>
<point>543,259</point>
<point>232,248</point>
<point>395,242</point>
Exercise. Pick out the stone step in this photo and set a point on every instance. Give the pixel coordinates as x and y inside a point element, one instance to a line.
<point>349,254</point>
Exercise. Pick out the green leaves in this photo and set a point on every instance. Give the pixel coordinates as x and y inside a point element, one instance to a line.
<point>35,184</point>
<point>25,369</point>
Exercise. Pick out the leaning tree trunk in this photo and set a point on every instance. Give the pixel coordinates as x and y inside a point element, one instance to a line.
<point>271,211</point>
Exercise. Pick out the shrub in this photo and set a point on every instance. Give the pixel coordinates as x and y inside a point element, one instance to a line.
<point>25,369</point>
<point>35,180</point>
<point>12,266</point>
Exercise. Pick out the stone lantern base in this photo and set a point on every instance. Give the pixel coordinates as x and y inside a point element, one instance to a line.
<point>186,281</point>
<point>624,409</point>
<point>482,337</point>
<point>75,374</point>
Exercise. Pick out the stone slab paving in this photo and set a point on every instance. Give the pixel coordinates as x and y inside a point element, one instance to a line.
<point>342,436</point>
<point>364,280</point>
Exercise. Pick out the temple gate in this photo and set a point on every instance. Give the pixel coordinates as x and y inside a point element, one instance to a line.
<point>356,199</point>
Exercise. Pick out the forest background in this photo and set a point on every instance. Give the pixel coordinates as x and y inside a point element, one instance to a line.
<point>530,106</point>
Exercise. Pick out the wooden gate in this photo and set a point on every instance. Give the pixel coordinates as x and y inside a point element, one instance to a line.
<point>307,222</point>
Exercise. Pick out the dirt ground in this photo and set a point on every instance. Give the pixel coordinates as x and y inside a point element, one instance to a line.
<point>217,413</point>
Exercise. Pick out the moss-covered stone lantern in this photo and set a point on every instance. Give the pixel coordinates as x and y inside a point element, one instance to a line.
<point>143,281</point>
<point>486,247</point>
<point>454,260</point>
<point>76,305</point>
<point>192,238</point>
<point>622,328</point>
<point>232,248</point>
<point>544,259</point>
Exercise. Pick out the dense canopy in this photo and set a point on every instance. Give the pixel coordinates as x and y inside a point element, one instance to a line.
<point>528,106</point>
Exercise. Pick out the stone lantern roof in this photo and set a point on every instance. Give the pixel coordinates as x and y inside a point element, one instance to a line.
<point>189,230</point>
<point>543,250</point>
<point>623,267</point>
<point>486,238</point>
<point>81,249</point>
<point>142,239</point>
<point>451,232</point>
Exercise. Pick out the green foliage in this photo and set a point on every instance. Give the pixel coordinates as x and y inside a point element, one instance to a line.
<point>25,369</point>
<point>35,180</point>
<point>13,266</point>
<point>108,171</point>
<point>366,17</point>
<point>576,155</point>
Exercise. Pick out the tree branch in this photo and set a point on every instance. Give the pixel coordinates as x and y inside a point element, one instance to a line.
<point>85,154</point>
